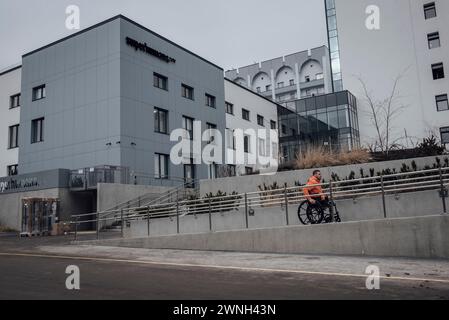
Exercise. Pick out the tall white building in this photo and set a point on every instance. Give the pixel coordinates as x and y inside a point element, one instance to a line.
<point>10,81</point>
<point>377,41</point>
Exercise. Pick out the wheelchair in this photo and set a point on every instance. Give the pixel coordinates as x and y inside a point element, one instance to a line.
<point>310,214</point>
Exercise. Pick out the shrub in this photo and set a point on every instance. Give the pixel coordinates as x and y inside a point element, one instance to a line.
<point>319,156</point>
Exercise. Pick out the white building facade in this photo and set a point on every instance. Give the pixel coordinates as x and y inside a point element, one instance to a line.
<point>295,76</point>
<point>10,101</point>
<point>379,41</point>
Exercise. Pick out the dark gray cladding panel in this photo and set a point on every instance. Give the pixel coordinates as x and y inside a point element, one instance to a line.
<point>58,178</point>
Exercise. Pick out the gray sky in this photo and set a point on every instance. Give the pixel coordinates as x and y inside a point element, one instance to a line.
<point>230,33</point>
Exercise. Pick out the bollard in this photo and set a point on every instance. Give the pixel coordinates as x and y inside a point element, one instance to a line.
<point>443,191</point>
<point>148,220</point>
<point>122,222</point>
<point>177,217</point>
<point>210,215</point>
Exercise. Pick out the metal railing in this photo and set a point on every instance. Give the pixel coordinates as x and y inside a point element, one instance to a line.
<point>383,185</point>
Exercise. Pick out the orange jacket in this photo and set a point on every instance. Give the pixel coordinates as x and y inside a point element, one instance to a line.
<point>314,189</point>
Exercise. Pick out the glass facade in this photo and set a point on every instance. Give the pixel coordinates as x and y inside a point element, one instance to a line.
<point>327,120</point>
<point>334,48</point>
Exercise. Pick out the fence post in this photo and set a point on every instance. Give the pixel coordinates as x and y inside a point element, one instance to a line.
<point>443,191</point>
<point>177,216</point>
<point>286,205</point>
<point>246,210</point>
<point>384,206</point>
<point>210,214</point>
<point>98,226</point>
<point>331,197</point>
<point>76,227</point>
<point>122,222</point>
<point>148,220</point>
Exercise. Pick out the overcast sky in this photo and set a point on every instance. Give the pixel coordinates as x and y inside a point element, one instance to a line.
<point>230,33</point>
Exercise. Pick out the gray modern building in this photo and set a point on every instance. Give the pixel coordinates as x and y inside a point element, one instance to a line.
<point>110,95</point>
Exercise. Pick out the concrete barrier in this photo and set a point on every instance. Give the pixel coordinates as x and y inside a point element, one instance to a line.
<point>417,237</point>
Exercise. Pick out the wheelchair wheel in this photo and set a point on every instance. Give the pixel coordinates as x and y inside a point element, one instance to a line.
<point>315,214</point>
<point>302,213</point>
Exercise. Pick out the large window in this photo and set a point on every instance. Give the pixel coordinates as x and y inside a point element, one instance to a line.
<point>187,92</point>
<point>438,71</point>
<point>14,101</point>
<point>245,114</point>
<point>187,124</point>
<point>229,108</point>
<point>37,130</point>
<point>39,93</point>
<point>434,40</point>
<point>247,144</point>
<point>210,101</point>
<point>442,102</point>
<point>430,10</point>
<point>160,121</point>
<point>211,137</point>
<point>444,135</point>
<point>12,170</point>
<point>13,140</point>
<point>273,125</point>
<point>160,81</point>
<point>161,166</point>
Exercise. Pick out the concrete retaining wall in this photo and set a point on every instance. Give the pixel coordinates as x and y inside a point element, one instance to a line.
<point>250,183</point>
<point>417,237</point>
<point>364,208</point>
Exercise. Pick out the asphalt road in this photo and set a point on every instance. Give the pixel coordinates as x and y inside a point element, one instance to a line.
<point>35,269</point>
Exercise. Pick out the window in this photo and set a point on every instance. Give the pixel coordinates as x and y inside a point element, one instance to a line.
<point>229,108</point>
<point>211,137</point>
<point>187,124</point>
<point>187,92</point>
<point>273,125</point>
<point>258,89</point>
<point>161,166</point>
<point>442,102</point>
<point>37,130</point>
<point>430,10</point>
<point>262,147</point>
<point>260,120</point>
<point>268,87</point>
<point>246,144</point>
<point>444,135</point>
<point>160,81</point>
<point>307,78</point>
<point>248,170</point>
<point>319,76</point>
<point>160,121</point>
<point>230,139</point>
<point>232,169</point>
<point>210,101</point>
<point>13,141</point>
<point>213,170</point>
<point>438,71</point>
<point>434,40</point>
<point>14,101</point>
<point>292,82</point>
<point>280,84</point>
<point>12,170</point>
<point>245,114</point>
<point>284,129</point>
<point>39,93</point>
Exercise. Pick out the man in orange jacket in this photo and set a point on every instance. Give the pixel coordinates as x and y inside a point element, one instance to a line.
<point>313,190</point>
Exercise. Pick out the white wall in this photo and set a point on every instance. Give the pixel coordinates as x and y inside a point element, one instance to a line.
<point>10,84</point>
<point>379,56</point>
<point>242,98</point>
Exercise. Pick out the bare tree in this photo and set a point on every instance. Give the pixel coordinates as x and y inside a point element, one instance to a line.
<point>382,113</point>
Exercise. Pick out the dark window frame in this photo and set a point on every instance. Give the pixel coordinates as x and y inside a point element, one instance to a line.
<point>431,37</point>
<point>244,112</point>
<point>157,124</point>
<point>438,71</point>
<point>273,125</point>
<point>187,92</point>
<point>185,120</point>
<point>231,107</point>
<point>13,144</point>
<point>260,120</point>
<point>12,100</point>
<point>160,81</point>
<point>444,130</point>
<point>162,175</point>
<point>430,10</point>
<point>42,89</point>
<point>12,170</point>
<point>442,98</point>
<point>37,130</point>
<point>211,101</point>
